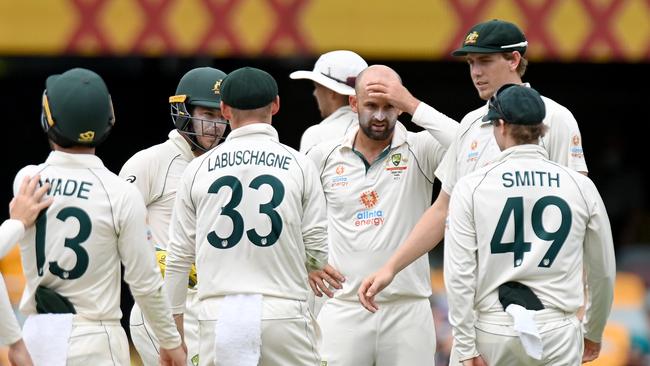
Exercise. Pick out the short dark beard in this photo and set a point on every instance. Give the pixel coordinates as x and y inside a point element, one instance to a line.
<point>377,136</point>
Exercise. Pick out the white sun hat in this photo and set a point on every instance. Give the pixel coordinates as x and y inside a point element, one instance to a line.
<point>335,70</point>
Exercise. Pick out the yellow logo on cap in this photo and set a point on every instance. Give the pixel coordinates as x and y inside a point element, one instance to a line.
<point>87,136</point>
<point>471,38</point>
<point>217,87</point>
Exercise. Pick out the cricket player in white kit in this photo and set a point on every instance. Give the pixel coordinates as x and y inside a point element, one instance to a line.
<point>378,181</point>
<point>157,171</point>
<point>334,75</point>
<point>23,211</point>
<point>72,256</point>
<point>251,213</point>
<point>559,225</point>
<point>494,51</point>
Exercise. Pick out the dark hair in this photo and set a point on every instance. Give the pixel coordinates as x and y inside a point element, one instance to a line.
<point>527,134</point>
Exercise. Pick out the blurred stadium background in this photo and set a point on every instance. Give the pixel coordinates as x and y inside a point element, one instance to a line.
<point>593,56</point>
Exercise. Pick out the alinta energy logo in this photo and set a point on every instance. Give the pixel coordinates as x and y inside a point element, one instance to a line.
<point>339,180</point>
<point>576,148</point>
<point>473,154</point>
<point>368,217</point>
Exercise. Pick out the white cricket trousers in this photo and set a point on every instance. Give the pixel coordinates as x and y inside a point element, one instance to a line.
<point>290,334</point>
<point>400,333</point>
<point>147,344</point>
<point>98,343</point>
<point>499,344</point>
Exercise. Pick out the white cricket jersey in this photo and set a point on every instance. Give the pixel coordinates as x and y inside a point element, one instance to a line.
<point>96,222</point>
<point>530,220</point>
<point>335,126</point>
<point>251,212</point>
<point>475,147</point>
<point>156,172</point>
<point>371,208</point>
<point>10,232</point>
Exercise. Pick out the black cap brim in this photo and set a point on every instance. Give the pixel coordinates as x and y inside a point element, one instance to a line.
<point>463,51</point>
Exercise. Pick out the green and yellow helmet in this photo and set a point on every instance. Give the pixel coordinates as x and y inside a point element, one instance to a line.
<point>198,87</point>
<point>77,109</point>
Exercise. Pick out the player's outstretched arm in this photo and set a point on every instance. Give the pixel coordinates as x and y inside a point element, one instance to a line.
<point>173,357</point>
<point>426,234</point>
<point>372,285</point>
<point>27,204</point>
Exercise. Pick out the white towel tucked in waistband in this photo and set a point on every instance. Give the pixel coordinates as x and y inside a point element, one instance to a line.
<point>238,331</point>
<point>47,337</point>
<point>524,323</point>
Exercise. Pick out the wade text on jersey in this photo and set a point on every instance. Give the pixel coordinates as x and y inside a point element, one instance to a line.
<point>248,157</point>
<point>68,187</point>
<point>534,178</point>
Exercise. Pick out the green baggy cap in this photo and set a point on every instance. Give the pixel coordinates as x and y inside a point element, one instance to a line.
<point>516,104</point>
<point>248,88</point>
<point>493,36</point>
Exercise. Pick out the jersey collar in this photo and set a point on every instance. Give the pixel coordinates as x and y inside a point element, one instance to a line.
<point>263,129</point>
<point>181,143</point>
<point>527,151</point>
<point>60,158</point>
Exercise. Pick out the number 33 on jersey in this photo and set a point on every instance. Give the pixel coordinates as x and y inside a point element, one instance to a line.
<point>252,213</point>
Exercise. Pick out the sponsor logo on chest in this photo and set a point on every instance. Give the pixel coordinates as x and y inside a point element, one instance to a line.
<point>369,216</point>
<point>472,155</point>
<point>339,180</point>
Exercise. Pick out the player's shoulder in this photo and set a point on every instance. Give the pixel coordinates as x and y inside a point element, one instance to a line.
<point>580,179</point>
<point>282,149</point>
<point>321,152</point>
<point>470,120</point>
<point>27,171</point>
<point>555,111</point>
<point>154,154</point>
<point>480,175</point>
<point>474,116</point>
<point>312,132</point>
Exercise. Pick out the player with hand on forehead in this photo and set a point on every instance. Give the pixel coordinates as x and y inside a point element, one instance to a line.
<point>251,213</point>
<point>72,256</point>
<point>156,172</point>
<point>378,180</point>
<point>496,284</point>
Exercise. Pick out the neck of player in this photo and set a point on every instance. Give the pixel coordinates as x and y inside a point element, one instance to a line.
<point>370,148</point>
<point>73,149</point>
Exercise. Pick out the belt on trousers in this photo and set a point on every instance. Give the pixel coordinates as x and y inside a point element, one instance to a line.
<point>81,320</point>
<point>541,316</point>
